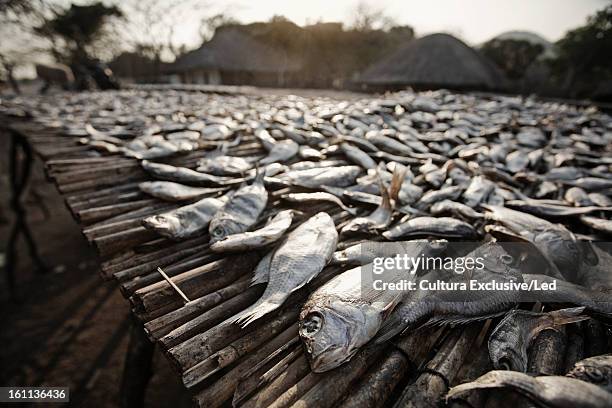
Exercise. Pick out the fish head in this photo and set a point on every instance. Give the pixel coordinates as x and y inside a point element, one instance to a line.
<point>506,347</point>
<point>562,249</point>
<point>496,260</point>
<point>162,224</point>
<point>505,356</point>
<point>334,331</point>
<point>222,229</point>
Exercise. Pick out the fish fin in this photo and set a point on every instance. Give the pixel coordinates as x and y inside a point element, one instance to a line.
<point>399,173</point>
<point>259,175</point>
<point>567,316</point>
<point>254,312</point>
<point>262,270</point>
<point>386,201</point>
<point>390,328</point>
<point>455,320</point>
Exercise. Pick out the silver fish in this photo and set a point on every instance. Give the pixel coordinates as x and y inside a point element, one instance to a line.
<point>433,196</point>
<point>170,191</point>
<point>511,338</point>
<point>383,215</point>
<point>478,191</point>
<point>216,132</point>
<point>541,208</point>
<point>598,224</point>
<point>184,175</point>
<point>342,176</point>
<point>548,391</point>
<point>347,312</point>
<point>318,196</point>
<point>270,233</point>
<point>556,244</point>
<point>456,209</point>
<point>308,153</point>
<point>444,227</point>
<point>387,144</point>
<point>296,262</point>
<point>241,212</point>
<point>358,156</point>
<point>188,221</point>
<point>458,306</point>
<point>590,183</point>
<point>578,197</point>
<point>281,152</point>
<point>600,200</point>
<point>224,165</point>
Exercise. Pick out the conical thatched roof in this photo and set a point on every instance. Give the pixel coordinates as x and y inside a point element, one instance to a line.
<point>434,61</point>
<point>232,49</point>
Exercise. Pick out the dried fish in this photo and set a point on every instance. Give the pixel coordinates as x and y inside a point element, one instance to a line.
<point>598,224</point>
<point>357,156</point>
<point>170,191</point>
<point>509,341</point>
<point>185,175</point>
<point>444,227</point>
<point>383,215</point>
<point>595,370</point>
<point>299,259</point>
<point>342,176</point>
<point>549,391</point>
<point>319,196</point>
<point>188,221</point>
<point>241,212</point>
<point>346,312</point>
<point>268,234</point>
<point>224,165</point>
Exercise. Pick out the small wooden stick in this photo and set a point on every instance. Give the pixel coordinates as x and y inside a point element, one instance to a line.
<point>178,290</point>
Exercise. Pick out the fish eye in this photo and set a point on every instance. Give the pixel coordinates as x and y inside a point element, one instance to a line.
<point>504,364</point>
<point>217,232</point>
<point>595,375</point>
<point>312,323</point>
<point>507,259</point>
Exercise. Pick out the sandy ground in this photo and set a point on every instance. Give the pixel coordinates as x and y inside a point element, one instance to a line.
<point>69,328</point>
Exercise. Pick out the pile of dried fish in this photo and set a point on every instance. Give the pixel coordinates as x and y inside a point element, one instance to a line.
<point>312,187</point>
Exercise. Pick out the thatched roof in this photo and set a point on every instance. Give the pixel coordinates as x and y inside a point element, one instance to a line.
<point>232,49</point>
<point>437,60</point>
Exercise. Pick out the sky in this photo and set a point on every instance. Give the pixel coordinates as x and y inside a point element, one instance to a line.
<point>474,21</point>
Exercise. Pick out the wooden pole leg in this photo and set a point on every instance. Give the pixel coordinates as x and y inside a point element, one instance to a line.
<point>137,368</point>
<point>20,168</point>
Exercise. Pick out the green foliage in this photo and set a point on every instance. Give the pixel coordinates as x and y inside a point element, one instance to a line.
<point>512,56</point>
<point>584,55</point>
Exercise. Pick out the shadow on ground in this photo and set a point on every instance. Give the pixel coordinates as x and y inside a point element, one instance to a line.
<point>69,328</point>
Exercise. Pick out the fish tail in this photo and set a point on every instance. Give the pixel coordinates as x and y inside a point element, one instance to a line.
<point>399,173</point>
<point>254,312</point>
<point>259,174</point>
<point>567,316</point>
<point>386,202</point>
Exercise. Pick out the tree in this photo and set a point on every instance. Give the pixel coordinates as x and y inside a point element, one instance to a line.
<point>512,56</point>
<point>149,26</point>
<point>368,18</point>
<point>82,31</point>
<point>209,25</point>
<point>18,18</point>
<point>584,55</point>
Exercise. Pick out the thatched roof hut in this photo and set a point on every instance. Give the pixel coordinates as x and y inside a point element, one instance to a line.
<point>434,61</point>
<point>234,56</point>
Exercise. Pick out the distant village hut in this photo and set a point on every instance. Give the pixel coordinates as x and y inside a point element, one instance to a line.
<point>433,61</point>
<point>233,57</point>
